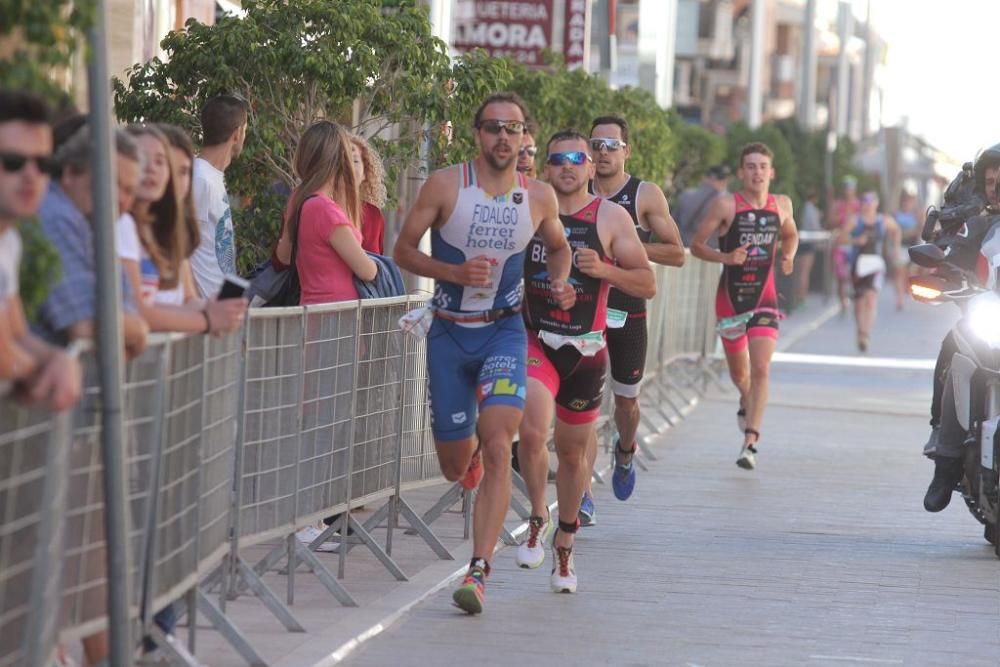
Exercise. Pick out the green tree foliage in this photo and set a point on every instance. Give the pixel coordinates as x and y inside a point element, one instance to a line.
<point>696,149</point>
<point>375,70</point>
<point>560,99</point>
<point>44,36</point>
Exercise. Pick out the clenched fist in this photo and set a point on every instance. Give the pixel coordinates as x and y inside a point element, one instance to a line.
<point>738,256</point>
<point>588,261</point>
<point>563,294</point>
<point>473,273</point>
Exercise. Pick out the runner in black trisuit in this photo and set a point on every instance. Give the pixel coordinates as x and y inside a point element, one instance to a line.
<point>646,205</point>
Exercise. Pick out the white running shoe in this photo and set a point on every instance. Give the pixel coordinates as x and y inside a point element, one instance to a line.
<point>748,457</point>
<point>531,552</point>
<point>563,579</point>
<point>309,534</point>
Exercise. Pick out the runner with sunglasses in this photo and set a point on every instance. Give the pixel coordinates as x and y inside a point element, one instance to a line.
<point>749,224</point>
<point>646,205</point>
<point>527,152</point>
<point>481,215</point>
<point>567,359</point>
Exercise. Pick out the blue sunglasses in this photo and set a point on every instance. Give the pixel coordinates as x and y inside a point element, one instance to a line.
<point>572,157</point>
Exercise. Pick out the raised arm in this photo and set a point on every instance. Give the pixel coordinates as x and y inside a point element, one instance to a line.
<point>631,272</point>
<point>558,254</point>
<point>668,249</point>
<point>789,234</point>
<point>720,212</point>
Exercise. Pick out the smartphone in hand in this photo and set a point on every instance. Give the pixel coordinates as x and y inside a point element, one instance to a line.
<point>233,287</point>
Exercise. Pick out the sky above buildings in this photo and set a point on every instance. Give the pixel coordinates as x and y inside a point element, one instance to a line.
<point>943,70</point>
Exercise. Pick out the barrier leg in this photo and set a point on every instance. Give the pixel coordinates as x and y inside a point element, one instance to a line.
<point>422,529</point>
<point>376,548</point>
<point>229,631</point>
<point>452,496</point>
<point>174,650</point>
<point>324,575</point>
<point>270,600</point>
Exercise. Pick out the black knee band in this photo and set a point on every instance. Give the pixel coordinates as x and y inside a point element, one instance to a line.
<point>569,527</point>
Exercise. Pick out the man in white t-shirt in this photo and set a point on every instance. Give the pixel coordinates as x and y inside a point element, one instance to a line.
<point>44,373</point>
<point>224,128</point>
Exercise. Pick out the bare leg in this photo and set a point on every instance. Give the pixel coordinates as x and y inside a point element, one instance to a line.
<point>626,420</point>
<point>531,450</point>
<point>739,372</point>
<point>96,648</point>
<point>804,268</point>
<point>761,350</point>
<point>497,426</point>
<point>591,460</point>
<point>571,477</point>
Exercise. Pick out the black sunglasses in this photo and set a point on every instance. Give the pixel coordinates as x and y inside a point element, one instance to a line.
<point>494,126</point>
<point>14,162</point>
<point>530,151</point>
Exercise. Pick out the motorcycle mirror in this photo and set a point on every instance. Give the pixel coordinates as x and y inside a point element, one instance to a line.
<point>927,255</point>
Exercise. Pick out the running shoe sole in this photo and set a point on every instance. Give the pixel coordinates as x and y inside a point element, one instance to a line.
<point>465,598</point>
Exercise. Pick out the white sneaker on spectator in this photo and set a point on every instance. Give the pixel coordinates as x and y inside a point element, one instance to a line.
<point>309,534</point>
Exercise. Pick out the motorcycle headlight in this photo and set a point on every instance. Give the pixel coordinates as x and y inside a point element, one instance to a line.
<point>984,321</point>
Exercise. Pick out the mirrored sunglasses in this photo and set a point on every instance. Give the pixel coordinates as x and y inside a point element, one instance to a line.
<point>493,126</point>
<point>530,151</point>
<point>611,145</point>
<point>573,157</point>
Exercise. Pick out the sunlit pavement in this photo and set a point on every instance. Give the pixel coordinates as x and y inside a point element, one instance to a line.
<point>822,556</point>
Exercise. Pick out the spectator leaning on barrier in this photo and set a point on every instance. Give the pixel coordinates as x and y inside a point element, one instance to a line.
<point>69,311</point>
<point>370,176</point>
<point>153,245</point>
<point>224,129</point>
<point>322,218</point>
<point>182,159</point>
<point>45,373</point>
<point>694,202</point>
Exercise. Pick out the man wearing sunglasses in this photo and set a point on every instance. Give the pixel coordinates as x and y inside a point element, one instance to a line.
<point>567,356</point>
<point>481,215</point>
<point>750,224</point>
<point>41,372</point>
<point>527,152</point>
<point>627,336</point>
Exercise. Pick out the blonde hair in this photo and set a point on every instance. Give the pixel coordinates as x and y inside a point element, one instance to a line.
<point>165,234</point>
<point>324,156</point>
<point>372,189</point>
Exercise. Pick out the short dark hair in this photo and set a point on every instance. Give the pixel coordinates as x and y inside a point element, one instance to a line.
<point>498,98</point>
<point>221,116</point>
<point>612,119</point>
<point>19,105</point>
<point>719,172</point>
<point>565,135</point>
<point>756,147</point>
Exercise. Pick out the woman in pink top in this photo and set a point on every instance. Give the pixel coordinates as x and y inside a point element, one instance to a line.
<point>323,215</point>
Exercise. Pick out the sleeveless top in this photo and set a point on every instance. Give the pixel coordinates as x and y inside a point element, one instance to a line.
<point>497,228</point>
<point>591,308</point>
<point>875,241</point>
<point>751,285</point>
<point>628,198</point>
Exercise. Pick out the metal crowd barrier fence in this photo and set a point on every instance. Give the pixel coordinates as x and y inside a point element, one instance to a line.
<point>240,442</point>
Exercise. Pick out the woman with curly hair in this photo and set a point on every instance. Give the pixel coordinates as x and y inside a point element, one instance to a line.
<point>370,175</point>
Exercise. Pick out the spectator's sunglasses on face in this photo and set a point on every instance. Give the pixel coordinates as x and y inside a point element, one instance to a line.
<point>572,157</point>
<point>15,162</point>
<point>530,151</point>
<point>493,126</point>
<point>612,145</point>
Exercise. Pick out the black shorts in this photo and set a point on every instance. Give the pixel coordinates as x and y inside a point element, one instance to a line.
<point>627,352</point>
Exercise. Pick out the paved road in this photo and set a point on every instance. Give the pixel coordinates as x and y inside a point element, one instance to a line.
<point>823,556</point>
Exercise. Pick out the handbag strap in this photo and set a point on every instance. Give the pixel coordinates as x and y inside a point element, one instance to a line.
<point>295,237</point>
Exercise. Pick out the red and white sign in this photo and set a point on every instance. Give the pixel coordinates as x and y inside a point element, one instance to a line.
<point>522,29</point>
<point>576,33</point>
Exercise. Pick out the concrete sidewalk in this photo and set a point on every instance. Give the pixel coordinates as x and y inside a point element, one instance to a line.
<point>823,556</point>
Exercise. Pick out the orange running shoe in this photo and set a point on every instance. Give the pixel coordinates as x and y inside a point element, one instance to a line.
<point>474,474</point>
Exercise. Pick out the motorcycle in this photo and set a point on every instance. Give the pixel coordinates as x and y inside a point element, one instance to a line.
<point>975,368</point>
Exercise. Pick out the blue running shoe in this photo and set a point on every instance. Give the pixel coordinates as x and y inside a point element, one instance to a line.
<point>623,476</point>
<point>588,513</point>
